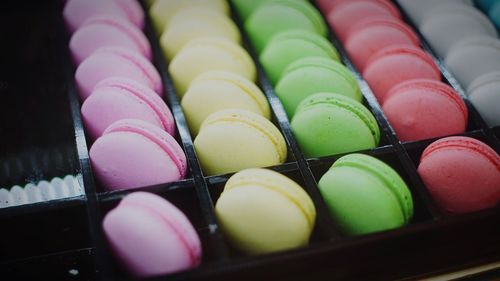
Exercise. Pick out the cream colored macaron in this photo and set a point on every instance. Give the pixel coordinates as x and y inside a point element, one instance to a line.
<point>262,211</point>
<point>217,90</point>
<point>235,139</point>
<point>209,53</point>
<point>162,11</point>
<point>196,22</point>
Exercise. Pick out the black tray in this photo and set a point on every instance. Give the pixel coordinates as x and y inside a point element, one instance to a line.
<point>63,239</point>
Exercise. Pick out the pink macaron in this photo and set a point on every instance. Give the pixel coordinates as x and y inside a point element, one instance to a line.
<point>76,12</point>
<point>462,174</point>
<point>393,65</point>
<point>101,32</point>
<point>347,14</point>
<point>116,62</point>
<point>422,109</point>
<point>151,236</point>
<point>132,153</point>
<point>119,98</point>
<point>371,35</point>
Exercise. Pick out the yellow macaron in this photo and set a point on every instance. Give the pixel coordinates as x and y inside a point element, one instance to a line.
<point>262,211</point>
<point>235,139</point>
<point>218,90</point>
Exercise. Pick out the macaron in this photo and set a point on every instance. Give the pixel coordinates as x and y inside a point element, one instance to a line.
<point>110,62</point>
<point>274,16</point>
<point>448,24</point>
<point>393,65</point>
<point>327,6</point>
<point>423,109</point>
<point>462,174</point>
<point>328,124</point>
<point>151,236</point>
<point>162,11</point>
<point>235,139</point>
<point>218,90</point>
<point>245,8</point>
<point>365,195</point>
<point>196,22</point>
<point>76,12</point>
<point>484,94</point>
<point>417,10</point>
<point>101,32</point>
<point>349,13</point>
<point>373,34</point>
<point>206,54</point>
<point>261,211</point>
<point>289,46</point>
<point>313,75</point>
<point>119,98</point>
<point>132,153</point>
<point>474,57</point>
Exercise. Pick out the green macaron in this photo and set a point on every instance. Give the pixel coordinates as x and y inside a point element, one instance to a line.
<point>287,47</point>
<point>329,124</point>
<point>314,75</point>
<point>274,16</point>
<point>366,195</point>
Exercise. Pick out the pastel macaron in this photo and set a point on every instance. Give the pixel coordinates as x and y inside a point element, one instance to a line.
<point>422,109</point>
<point>313,75</point>
<point>373,34</point>
<point>111,62</point>
<point>133,153</point>
<point>101,32</point>
<point>328,124</point>
<point>473,57</point>
<point>235,139</point>
<point>365,195</point>
<point>261,211</point>
<point>162,11</point>
<point>274,16</point>
<point>151,236</point>
<point>206,54</point>
<point>417,10</point>
<point>217,90</point>
<point>395,64</point>
<point>347,14</point>
<point>289,46</point>
<point>76,12</point>
<point>245,8</point>
<point>448,24</point>
<point>462,174</point>
<point>118,98</point>
<point>484,94</point>
<point>196,22</point>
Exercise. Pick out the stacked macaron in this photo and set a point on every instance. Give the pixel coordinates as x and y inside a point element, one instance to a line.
<point>319,94</point>
<point>125,117</point>
<point>403,77</point>
<point>468,43</point>
<point>214,76</point>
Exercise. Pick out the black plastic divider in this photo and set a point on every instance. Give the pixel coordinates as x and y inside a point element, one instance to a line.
<point>385,126</point>
<point>206,204</point>
<point>323,220</point>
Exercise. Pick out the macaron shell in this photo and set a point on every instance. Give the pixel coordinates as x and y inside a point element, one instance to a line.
<point>372,35</point>
<point>462,174</point>
<point>218,90</point>
<point>111,62</point>
<point>196,22</point>
<point>328,124</point>
<point>245,8</point>
<point>474,57</point>
<point>160,250</point>
<point>393,65</point>
<point>289,46</point>
<point>413,107</point>
<point>417,10</point>
<point>314,75</point>
<point>484,94</point>
<point>115,99</point>
<point>206,54</point>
